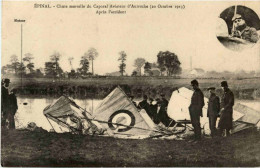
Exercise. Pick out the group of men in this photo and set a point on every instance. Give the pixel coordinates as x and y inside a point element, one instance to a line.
<point>8,105</point>
<point>156,109</point>
<point>223,109</point>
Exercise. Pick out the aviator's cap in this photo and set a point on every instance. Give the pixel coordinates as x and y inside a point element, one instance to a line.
<point>236,16</point>
<point>6,80</point>
<point>194,82</point>
<point>224,84</point>
<point>211,88</point>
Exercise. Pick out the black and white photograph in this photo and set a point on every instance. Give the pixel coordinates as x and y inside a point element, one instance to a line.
<point>130,84</point>
<point>238,28</point>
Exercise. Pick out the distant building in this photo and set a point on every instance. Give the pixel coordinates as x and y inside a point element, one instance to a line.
<point>196,72</point>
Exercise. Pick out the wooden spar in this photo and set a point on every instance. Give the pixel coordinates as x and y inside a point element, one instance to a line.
<point>170,123</point>
<point>235,10</point>
<point>50,123</point>
<point>233,27</point>
<point>128,126</point>
<point>71,128</point>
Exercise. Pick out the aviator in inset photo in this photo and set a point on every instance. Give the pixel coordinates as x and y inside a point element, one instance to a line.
<point>238,28</point>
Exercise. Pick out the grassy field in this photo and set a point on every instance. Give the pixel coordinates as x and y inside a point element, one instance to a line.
<point>100,87</point>
<point>24,148</point>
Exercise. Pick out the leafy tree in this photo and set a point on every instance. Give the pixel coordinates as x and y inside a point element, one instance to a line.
<point>55,57</point>
<point>147,68</point>
<point>139,62</point>
<point>92,54</point>
<point>21,69</point>
<point>72,74</point>
<point>38,73</point>
<point>15,63</point>
<point>50,69</point>
<point>28,58</point>
<point>134,73</point>
<point>122,59</point>
<point>168,62</point>
<point>83,70</point>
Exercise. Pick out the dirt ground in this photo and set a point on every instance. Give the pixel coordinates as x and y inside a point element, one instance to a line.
<point>25,148</point>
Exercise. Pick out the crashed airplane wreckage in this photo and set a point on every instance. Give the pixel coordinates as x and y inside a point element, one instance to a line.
<point>117,116</point>
<point>243,116</point>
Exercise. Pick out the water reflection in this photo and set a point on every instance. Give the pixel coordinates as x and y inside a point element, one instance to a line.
<point>31,110</point>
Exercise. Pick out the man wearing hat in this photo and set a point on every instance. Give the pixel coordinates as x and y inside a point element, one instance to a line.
<point>213,110</point>
<point>195,108</point>
<point>4,101</point>
<point>226,112</point>
<point>241,30</point>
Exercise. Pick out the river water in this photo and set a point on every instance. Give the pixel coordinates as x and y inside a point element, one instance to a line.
<point>31,110</point>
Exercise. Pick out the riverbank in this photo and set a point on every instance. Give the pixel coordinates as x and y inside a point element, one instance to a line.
<point>100,87</point>
<point>25,148</point>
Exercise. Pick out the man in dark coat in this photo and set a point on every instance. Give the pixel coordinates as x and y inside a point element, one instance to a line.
<point>243,31</point>
<point>13,109</point>
<point>144,104</point>
<point>213,110</point>
<point>4,101</point>
<point>226,112</point>
<point>153,110</point>
<point>195,109</point>
<point>162,114</point>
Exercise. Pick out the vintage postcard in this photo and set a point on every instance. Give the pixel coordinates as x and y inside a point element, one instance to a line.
<point>130,83</point>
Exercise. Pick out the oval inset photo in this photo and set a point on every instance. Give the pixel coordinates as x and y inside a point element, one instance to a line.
<point>238,28</point>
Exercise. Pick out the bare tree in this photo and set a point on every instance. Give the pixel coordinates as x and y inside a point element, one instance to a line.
<point>70,61</point>
<point>139,62</point>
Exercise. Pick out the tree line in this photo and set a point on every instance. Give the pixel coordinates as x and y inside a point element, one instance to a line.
<point>167,64</point>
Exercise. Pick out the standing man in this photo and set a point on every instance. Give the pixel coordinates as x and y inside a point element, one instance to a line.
<point>12,109</point>
<point>195,108</point>
<point>213,110</point>
<point>226,112</point>
<point>4,101</point>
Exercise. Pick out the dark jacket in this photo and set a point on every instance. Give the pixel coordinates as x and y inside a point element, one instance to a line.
<point>13,103</point>
<point>162,114</point>
<point>226,116</point>
<point>250,34</point>
<point>4,100</point>
<point>153,112</point>
<point>213,106</point>
<point>197,102</point>
<point>144,105</point>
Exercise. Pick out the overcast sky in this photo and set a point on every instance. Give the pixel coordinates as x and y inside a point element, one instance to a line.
<point>140,33</point>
